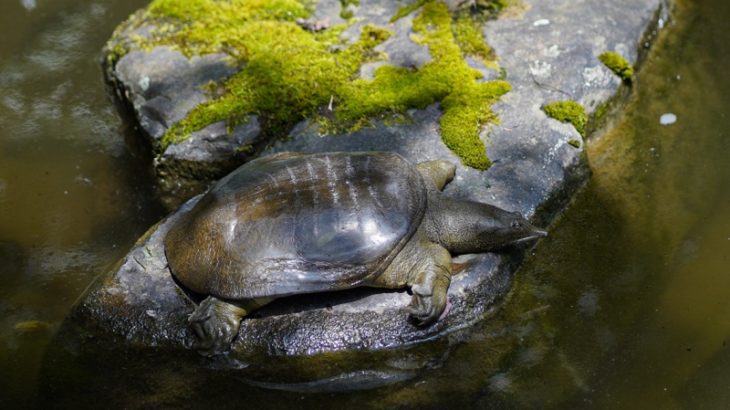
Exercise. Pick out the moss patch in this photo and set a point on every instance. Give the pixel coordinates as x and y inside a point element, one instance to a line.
<point>490,7</point>
<point>618,64</point>
<point>469,37</point>
<point>281,83</point>
<point>480,9</point>
<point>346,13</point>
<point>570,112</point>
<point>119,45</point>
<point>406,10</point>
<point>290,74</point>
<point>446,78</point>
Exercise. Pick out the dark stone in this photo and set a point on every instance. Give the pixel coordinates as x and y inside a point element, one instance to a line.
<point>162,86</point>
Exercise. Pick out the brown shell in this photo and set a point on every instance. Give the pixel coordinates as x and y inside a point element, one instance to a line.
<point>298,223</point>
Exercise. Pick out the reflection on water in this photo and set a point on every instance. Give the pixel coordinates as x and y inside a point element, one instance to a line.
<point>625,304</point>
<point>72,198</point>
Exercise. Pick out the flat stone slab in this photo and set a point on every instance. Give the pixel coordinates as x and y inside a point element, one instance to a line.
<point>549,51</point>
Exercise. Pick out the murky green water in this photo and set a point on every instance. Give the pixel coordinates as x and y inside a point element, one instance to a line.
<point>627,304</point>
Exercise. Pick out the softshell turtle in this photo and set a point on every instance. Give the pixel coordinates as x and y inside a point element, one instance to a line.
<point>295,223</point>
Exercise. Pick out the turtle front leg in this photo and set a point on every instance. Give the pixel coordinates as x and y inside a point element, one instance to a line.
<point>430,285</point>
<point>216,324</point>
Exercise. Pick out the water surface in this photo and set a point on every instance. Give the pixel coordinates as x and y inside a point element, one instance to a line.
<point>72,197</point>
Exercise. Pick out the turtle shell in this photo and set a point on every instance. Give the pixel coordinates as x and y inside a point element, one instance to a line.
<point>298,223</point>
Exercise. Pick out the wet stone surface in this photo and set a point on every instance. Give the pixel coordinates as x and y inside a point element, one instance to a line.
<point>549,52</point>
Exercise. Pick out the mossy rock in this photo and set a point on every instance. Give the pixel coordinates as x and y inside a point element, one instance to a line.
<point>189,66</point>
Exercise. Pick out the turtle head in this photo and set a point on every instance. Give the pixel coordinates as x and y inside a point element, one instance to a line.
<point>515,229</point>
<point>470,227</point>
<point>495,228</point>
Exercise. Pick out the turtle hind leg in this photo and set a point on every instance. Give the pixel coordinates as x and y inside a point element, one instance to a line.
<point>216,323</point>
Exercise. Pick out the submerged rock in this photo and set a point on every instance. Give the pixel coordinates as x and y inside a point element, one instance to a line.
<point>549,53</point>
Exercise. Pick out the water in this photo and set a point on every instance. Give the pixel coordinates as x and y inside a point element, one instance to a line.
<point>72,196</point>
<point>627,304</point>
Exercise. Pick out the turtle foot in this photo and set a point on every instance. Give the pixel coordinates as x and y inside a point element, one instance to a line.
<point>424,308</point>
<point>216,324</point>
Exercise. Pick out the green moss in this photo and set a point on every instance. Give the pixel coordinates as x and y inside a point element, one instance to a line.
<point>398,119</point>
<point>490,7</point>
<point>209,26</point>
<point>570,112</point>
<point>119,45</point>
<point>345,13</point>
<point>469,37</point>
<point>290,74</point>
<point>599,114</point>
<point>115,52</point>
<point>481,9</point>
<point>618,64</point>
<point>406,10</point>
<point>287,77</point>
<point>446,78</point>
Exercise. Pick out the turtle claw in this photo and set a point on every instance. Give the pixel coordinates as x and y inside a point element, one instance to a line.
<point>215,324</point>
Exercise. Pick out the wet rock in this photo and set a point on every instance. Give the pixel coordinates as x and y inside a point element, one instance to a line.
<point>549,52</point>
<point>162,86</point>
